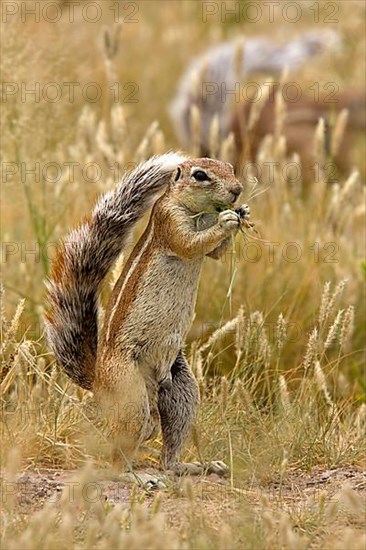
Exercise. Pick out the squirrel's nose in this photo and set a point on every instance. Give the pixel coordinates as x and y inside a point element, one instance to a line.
<point>236,191</point>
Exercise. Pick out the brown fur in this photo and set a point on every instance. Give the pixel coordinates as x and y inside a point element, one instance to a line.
<point>136,368</point>
<point>152,304</point>
<point>84,258</point>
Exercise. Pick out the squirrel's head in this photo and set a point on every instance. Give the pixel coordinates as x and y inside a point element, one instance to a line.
<point>205,185</point>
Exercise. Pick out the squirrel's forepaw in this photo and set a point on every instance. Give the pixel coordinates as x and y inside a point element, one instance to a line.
<point>243,212</point>
<point>229,220</point>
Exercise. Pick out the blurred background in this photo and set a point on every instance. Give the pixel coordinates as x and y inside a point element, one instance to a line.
<point>87,89</point>
<point>90,88</point>
<point>278,340</point>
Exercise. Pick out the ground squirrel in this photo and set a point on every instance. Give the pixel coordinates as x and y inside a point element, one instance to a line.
<point>136,366</point>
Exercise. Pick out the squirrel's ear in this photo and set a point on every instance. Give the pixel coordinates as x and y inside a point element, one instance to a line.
<point>177,174</point>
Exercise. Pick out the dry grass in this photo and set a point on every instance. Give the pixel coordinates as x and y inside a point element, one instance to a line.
<point>277,345</point>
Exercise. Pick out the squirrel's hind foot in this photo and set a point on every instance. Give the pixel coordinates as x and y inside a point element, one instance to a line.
<point>200,468</point>
<point>147,482</point>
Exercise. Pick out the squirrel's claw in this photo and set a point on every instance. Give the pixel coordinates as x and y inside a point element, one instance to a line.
<point>148,482</point>
<point>243,212</point>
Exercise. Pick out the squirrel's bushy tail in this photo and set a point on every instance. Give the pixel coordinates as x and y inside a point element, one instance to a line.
<point>84,258</point>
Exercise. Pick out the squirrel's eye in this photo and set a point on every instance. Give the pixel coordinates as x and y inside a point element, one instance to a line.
<point>200,175</point>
